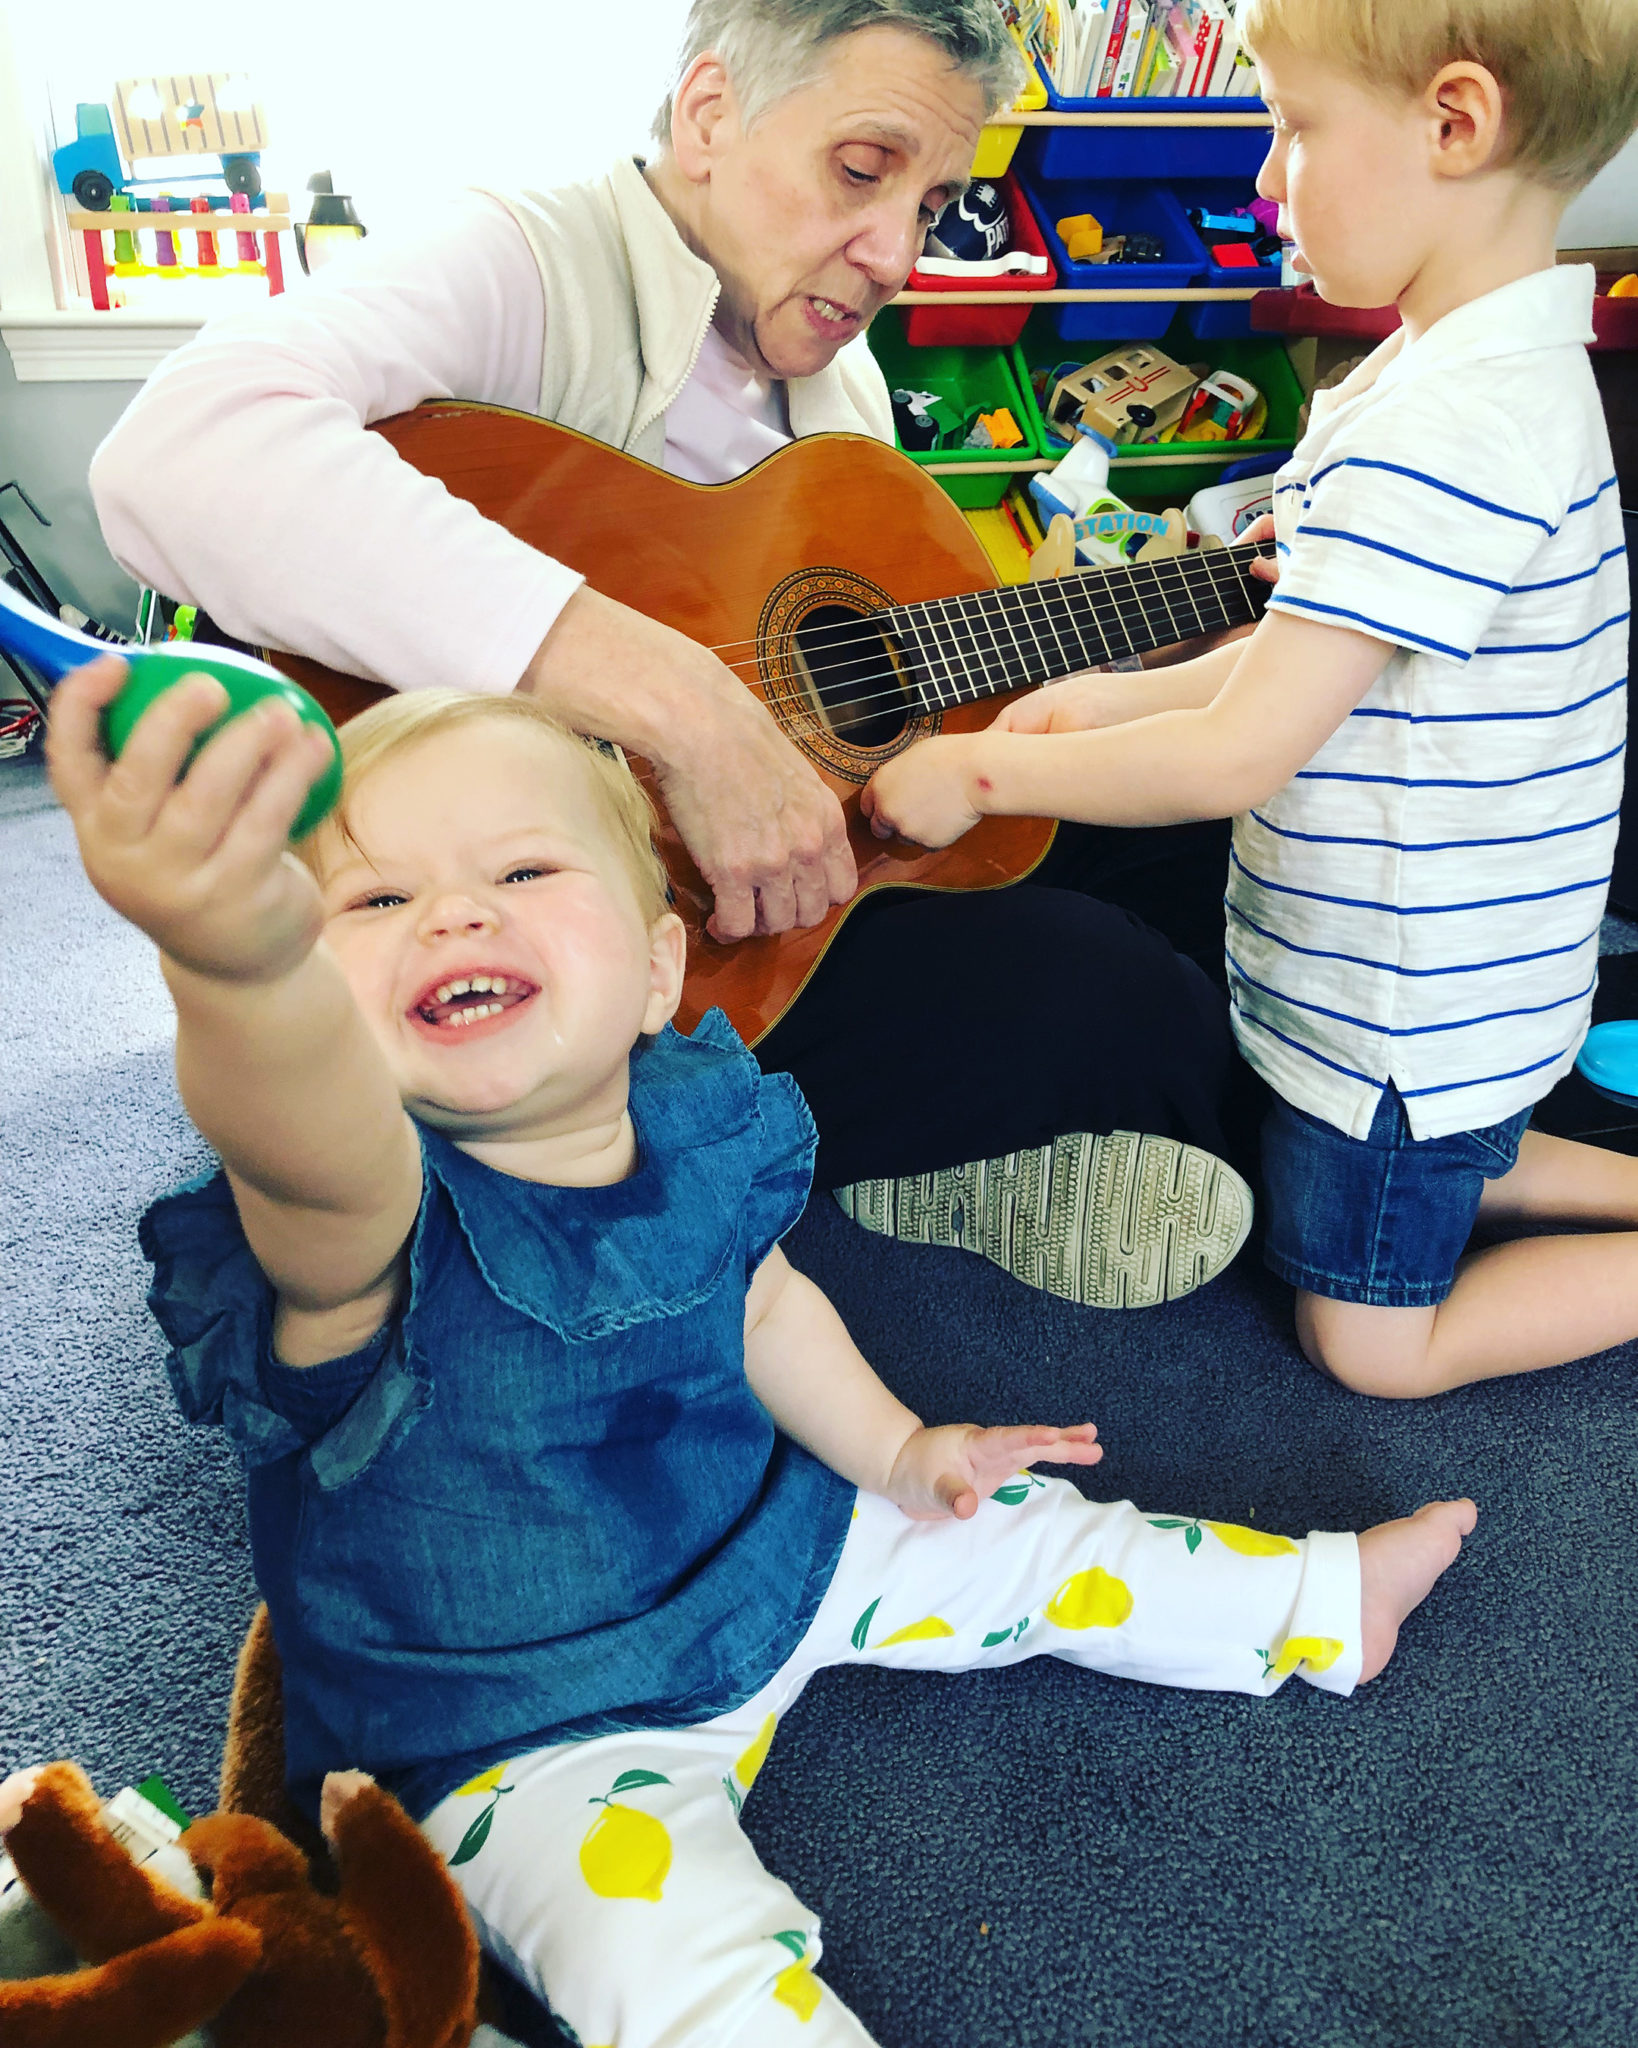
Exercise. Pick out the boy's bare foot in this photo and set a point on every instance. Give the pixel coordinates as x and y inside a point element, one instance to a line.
<point>1398,1564</point>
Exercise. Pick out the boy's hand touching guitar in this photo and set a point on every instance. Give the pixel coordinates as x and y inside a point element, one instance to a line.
<point>198,860</point>
<point>948,1471</point>
<point>930,793</point>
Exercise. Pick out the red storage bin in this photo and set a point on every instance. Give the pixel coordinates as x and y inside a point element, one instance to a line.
<point>1303,311</point>
<point>981,326</point>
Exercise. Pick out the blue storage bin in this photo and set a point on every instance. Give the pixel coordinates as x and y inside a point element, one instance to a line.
<point>1145,152</point>
<point>1223,319</point>
<point>1119,208</point>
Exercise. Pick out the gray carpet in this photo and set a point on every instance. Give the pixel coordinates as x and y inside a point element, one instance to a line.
<point>1449,1860</point>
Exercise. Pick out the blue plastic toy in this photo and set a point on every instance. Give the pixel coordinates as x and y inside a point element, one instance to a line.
<point>90,169</point>
<point>55,650</point>
<point>1609,1060</point>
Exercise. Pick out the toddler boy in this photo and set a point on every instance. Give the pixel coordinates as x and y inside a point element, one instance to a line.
<point>1421,744</point>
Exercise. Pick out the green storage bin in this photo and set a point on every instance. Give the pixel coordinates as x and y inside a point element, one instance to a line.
<point>973,380</point>
<point>1135,474</point>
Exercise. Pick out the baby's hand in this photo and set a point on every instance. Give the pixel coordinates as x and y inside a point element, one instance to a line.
<point>948,1471</point>
<point>200,864</point>
<point>922,794</point>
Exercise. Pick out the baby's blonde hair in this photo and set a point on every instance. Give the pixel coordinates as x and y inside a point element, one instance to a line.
<point>1568,69</point>
<point>397,723</point>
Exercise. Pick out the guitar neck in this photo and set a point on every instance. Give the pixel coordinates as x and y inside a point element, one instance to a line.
<point>961,649</point>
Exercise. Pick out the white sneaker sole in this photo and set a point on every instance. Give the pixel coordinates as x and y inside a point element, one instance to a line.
<point>1122,1220</point>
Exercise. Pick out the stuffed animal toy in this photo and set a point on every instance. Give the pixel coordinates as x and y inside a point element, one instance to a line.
<point>266,1961</point>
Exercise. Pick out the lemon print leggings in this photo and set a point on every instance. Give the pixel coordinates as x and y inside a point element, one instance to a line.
<point>613,1875</point>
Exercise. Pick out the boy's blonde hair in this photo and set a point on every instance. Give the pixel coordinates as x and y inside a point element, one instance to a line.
<point>397,723</point>
<point>1568,69</point>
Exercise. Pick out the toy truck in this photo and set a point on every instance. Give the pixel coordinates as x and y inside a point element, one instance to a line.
<point>200,114</point>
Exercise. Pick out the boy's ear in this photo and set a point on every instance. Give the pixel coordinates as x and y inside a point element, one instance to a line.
<point>1466,107</point>
<point>667,958</point>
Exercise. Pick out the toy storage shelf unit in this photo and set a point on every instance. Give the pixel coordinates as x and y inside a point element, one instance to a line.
<point>1208,147</point>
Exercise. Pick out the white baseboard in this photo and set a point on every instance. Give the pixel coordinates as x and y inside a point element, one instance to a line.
<point>92,348</point>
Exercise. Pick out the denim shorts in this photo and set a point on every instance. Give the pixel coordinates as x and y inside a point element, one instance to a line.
<point>1381,1219</point>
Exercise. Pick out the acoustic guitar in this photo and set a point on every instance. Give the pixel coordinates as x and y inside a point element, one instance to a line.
<point>824,578</point>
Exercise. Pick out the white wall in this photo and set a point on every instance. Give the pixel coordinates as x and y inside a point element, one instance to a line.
<point>1605,216</point>
<point>399,104</point>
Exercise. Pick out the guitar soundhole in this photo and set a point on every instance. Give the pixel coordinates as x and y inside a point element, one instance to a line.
<point>852,676</point>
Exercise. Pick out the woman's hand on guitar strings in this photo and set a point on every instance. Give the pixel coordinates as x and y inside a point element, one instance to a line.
<point>761,826</point>
<point>766,833</point>
<point>930,793</point>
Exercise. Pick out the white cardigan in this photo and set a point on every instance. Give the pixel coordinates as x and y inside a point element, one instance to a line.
<point>239,478</point>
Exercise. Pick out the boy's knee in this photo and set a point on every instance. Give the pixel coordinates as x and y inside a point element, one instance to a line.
<point>1380,1351</point>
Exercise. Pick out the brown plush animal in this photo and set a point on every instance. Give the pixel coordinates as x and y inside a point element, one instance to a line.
<point>390,1962</point>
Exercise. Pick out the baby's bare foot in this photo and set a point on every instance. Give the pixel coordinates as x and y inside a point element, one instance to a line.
<point>14,1796</point>
<point>340,1788</point>
<point>1398,1564</point>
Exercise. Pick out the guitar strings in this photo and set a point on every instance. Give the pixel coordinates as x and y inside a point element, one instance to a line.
<point>1151,610</point>
<point>930,687</point>
<point>1085,584</point>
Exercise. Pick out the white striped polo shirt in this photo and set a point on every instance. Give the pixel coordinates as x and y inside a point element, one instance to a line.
<point>1421,903</point>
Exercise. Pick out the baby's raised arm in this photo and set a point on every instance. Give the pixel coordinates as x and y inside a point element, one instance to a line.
<point>275,1062</point>
<point>811,1377</point>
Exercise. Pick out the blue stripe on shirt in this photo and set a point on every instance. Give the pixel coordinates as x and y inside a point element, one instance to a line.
<point>1488,717</point>
<point>1337,611</point>
<point>1434,483</point>
<point>1452,782</point>
<point>1555,646</point>
<point>1485,1080</point>
<point>1307,1051</point>
<point>1353,1073</point>
<point>1431,845</point>
<point>1580,576</point>
<point>1381,547</point>
<point>1393,966</point>
<point>1409,1030</point>
<point>1417,909</point>
<point>1581,504</point>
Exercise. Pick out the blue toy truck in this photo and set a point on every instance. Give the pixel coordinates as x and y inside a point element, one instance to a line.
<point>91,169</point>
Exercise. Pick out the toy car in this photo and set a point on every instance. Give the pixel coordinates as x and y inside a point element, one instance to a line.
<point>160,117</point>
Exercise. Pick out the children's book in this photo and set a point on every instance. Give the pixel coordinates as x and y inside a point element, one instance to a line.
<point>1118,13</point>
<point>1227,44</point>
<point>1137,29</point>
<point>1146,51</point>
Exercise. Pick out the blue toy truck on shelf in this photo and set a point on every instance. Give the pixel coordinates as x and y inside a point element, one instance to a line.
<point>208,115</point>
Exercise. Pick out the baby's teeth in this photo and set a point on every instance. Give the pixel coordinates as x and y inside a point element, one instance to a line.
<point>480,984</point>
<point>442,995</point>
<point>460,988</point>
<point>497,985</point>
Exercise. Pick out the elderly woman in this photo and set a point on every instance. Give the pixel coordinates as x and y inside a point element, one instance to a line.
<point>979,1066</point>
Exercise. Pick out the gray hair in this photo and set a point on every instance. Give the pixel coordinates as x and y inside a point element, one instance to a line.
<point>773,47</point>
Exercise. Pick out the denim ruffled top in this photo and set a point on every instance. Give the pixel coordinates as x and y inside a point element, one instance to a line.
<point>543,1503</point>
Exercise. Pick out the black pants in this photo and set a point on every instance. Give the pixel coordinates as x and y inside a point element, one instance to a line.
<point>944,1028</point>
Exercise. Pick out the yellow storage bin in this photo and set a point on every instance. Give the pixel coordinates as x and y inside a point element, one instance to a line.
<point>996,145</point>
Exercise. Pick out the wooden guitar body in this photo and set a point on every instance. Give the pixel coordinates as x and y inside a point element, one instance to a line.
<point>846,590</point>
<point>837,522</point>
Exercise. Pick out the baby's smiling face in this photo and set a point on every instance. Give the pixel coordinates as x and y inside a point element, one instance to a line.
<point>490,931</point>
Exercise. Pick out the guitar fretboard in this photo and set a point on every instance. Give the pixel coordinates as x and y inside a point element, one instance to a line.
<point>961,649</point>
